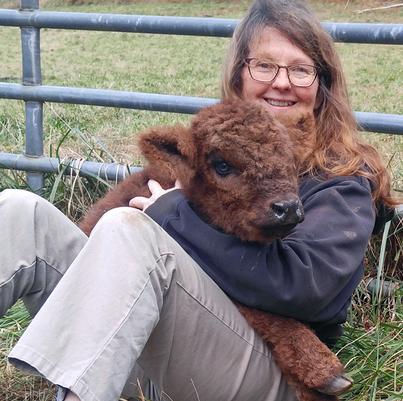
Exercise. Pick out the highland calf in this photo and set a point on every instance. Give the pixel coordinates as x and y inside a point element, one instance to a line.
<point>238,169</point>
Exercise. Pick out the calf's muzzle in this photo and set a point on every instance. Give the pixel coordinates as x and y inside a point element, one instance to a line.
<point>288,211</point>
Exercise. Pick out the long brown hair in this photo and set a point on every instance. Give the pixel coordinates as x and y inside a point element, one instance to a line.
<point>339,150</point>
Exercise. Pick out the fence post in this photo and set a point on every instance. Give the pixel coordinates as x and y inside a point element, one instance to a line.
<point>31,76</point>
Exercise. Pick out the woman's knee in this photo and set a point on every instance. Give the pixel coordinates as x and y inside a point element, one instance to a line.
<point>18,206</point>
<point>23,202</point>
<point>18,199</point>
<point>126,218</point>
<point>29,211</point>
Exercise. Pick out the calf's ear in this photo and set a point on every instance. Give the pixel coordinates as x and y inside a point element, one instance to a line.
<point>170,148</point>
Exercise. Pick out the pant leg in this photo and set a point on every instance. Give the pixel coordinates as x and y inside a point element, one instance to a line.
<point>38,243</point>
<point>133,294</point>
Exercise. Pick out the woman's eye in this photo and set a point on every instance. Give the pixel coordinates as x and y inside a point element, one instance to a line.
<point>302,69</point>
<point>222,168</point>
<point>265,66</point>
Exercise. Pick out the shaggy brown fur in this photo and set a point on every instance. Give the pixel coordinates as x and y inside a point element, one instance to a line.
<point>234,163</point>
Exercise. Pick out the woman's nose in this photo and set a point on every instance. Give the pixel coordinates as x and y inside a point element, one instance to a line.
<point>281,81</point>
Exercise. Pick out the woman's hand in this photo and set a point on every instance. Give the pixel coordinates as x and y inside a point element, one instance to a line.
<point>142,202</point>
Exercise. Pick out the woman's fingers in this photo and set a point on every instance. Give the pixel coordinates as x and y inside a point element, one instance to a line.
<point>142,202</point>
<point>155,188</point>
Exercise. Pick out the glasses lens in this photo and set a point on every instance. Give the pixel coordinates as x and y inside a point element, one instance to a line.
<point>302,74</point>
<point>262,70</point>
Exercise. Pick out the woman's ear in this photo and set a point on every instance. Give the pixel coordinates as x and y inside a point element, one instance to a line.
<point>170,148</point>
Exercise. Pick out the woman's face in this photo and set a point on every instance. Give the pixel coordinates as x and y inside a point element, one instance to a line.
<point>279,97</point>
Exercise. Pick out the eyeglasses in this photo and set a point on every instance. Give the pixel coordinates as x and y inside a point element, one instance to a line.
<point>302,75</point>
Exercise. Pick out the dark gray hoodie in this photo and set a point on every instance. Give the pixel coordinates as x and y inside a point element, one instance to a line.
<point>309,275</point>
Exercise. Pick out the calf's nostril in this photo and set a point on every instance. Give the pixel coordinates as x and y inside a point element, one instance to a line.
<point>280,209</point>
<point>288,212</point>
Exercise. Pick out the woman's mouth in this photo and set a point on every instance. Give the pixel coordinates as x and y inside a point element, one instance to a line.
<point>280,103</point>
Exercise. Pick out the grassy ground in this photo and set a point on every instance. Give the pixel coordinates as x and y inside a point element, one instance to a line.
<point>372,346</point>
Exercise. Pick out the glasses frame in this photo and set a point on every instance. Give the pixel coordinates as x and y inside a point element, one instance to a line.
<point>279,67</point>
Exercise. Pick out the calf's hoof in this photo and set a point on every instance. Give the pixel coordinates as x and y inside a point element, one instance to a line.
<point>336,386</point>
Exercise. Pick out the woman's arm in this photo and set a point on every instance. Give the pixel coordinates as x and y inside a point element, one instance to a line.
<point>309,275</point>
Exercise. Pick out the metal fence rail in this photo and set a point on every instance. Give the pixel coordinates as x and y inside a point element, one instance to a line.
<point>30,19</point>
<point>107,171</point>
<point>376,122</point>
<point>391,34</point>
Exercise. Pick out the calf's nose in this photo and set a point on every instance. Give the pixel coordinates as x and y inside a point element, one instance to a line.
<point>288,211</point>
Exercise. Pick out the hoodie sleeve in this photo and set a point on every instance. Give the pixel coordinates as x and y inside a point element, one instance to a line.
<point>310,274</point>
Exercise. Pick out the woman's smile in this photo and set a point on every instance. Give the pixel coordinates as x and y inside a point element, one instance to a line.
<point>279,102</point>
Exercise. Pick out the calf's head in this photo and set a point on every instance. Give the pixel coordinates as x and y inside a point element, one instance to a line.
<point>237,167</point>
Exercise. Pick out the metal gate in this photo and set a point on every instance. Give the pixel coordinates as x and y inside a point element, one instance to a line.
<point>30,19</point>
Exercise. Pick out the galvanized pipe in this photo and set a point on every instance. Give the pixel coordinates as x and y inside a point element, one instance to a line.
<point>391,34</point>
<point>380,122</point>
<point>107,171</point>
<point>376,122</point>
<point>31,76</point>
<point>31,60</point>
<point>384,289</point>
<point>219,27</point>
<point>121,23</point>
<point>106,97</point>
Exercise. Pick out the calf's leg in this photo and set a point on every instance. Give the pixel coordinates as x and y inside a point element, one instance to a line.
<point>301,356</point>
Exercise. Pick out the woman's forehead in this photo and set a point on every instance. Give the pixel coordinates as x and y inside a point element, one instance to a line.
<point>271,44</point>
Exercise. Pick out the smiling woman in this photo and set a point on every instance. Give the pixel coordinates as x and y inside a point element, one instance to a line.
<point>285,34</point>
<point>281,95</point>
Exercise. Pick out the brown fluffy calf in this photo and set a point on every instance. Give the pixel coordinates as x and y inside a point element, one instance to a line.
<point>237,168</point>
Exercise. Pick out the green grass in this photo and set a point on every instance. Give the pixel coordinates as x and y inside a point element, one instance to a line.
<point>372,345</point>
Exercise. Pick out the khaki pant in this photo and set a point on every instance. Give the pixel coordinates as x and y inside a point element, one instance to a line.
<point>129,294</point>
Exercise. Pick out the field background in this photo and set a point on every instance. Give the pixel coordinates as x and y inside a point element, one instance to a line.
<point>372,346</point>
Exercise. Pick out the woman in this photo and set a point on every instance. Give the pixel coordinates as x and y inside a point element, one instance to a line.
<point>133,295</point>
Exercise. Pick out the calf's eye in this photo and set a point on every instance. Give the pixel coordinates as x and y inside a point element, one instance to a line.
<point>222,168</point>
